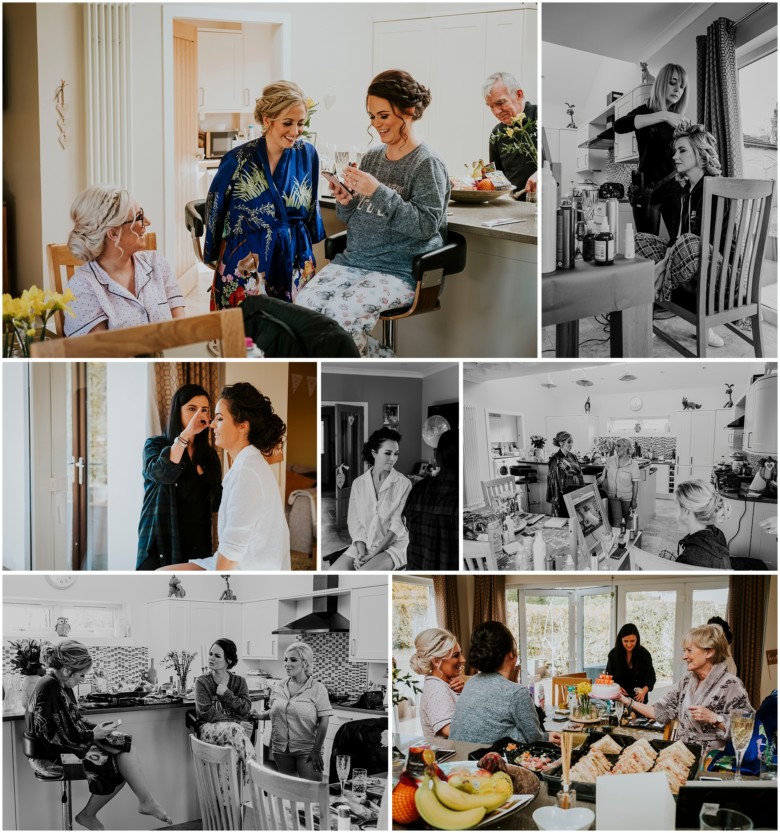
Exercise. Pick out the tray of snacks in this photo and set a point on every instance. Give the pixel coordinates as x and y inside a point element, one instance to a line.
<point>535,757</point>
<point>602,754</point>
<point>481,183</point>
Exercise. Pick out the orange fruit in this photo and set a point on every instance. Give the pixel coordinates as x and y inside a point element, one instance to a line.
<point>485,185</point>
<point>404,808</point>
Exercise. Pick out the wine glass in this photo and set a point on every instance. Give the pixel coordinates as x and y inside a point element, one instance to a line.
<point>342,161</point>
<point>619,707</point>
<point>742,721</point>
<point>343,763</point>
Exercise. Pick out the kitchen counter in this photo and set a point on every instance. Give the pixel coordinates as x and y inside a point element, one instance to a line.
<point>742,494</point>
<point>488,309</point>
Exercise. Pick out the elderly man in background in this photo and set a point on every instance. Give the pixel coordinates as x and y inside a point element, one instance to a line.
<point>506,101</point>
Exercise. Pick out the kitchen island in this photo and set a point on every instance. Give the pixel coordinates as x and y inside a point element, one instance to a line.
<point>487,310</point>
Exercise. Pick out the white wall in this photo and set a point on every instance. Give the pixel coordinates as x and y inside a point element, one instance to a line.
<point>126,406</point>
<point>16,482</point>
<point>438,388</point>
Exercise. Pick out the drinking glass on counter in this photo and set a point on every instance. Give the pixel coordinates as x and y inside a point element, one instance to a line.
<point>328,157</point>
<point>343,763</point>
<point>742,721</point>
<point>342,161</point>
<point>359,782</point>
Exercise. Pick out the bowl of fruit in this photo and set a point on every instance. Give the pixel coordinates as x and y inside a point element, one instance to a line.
<point>482,183</point>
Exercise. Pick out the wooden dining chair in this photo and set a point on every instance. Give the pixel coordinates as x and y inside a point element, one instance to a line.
<point>498,489</point>
<point>63,263</point>
<point>216,782</point>
<point>226,326</point>
<point>735,211</point>
<point>477,556</point>
<point>282,802</point>
<point>560,686</point>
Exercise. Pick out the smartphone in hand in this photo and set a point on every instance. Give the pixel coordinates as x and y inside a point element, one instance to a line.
<point>334,180</point>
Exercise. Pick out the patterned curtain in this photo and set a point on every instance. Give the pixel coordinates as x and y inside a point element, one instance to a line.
<point>746,615</point>
<point>445,594</point>
<point>489,599</point>
<point>717,105</point>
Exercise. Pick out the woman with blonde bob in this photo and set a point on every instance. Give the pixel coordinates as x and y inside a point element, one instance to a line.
<point>262,213</point>
<point>654,123</point>
<point>120,284</point>
<point>703,698</point>
<point>300,711</point>
<point>109,758</point>
<point>701,508</point>
<point>621,474</point>
<point>437,657</point>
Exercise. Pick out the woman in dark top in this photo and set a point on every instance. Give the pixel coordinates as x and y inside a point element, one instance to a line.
<point>631,665</point>
<point>700,507</point>
<point>53,718</point>
<point>565,474</point>
<point>223,705</point>
<point>654,124</point>
<point>182,485</point>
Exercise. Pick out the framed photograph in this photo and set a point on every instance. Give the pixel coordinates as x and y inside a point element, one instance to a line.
<point>586,513</point>
<point>391,417</point>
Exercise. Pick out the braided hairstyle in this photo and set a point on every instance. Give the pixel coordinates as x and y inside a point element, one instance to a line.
<point>275,99</point>
<point>430,644</point>
<point>247,404</point>
<point>94,211</point>
<point>704,148</point>
<point>406,96</point>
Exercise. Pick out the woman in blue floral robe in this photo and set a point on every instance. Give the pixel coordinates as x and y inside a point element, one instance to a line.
<point>263,219</point>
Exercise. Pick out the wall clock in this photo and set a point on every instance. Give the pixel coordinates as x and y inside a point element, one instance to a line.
<point>60,582</point>
<point>635,404</point>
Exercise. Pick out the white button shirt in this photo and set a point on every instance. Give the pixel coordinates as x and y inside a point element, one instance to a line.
<point>251,525</point>
<point>100,298</point>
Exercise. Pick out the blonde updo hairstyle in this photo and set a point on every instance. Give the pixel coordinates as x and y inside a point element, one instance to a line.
<point>698,497</point>
<point>703,143</point>
<point>708,638</point>
<point>430,644</point>
<point>70,655</point>
<point>277,98</point>
<point>305,655</point>
<point>94,212</point>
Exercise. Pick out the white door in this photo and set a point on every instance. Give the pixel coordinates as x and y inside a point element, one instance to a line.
<point>702,438</point>
<point>681,429</point>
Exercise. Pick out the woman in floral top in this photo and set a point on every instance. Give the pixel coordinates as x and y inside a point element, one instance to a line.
<point>262,214</point>
<point>565,474</point>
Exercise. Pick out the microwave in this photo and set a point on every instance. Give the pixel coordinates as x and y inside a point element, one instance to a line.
<point>219,142</point>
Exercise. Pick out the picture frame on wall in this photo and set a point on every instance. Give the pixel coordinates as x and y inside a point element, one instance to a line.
<point>391,417</point>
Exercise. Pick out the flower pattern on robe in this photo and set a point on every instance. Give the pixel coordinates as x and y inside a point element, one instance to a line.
<point>260,228</point>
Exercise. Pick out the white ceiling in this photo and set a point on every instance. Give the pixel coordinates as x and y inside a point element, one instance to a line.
<point>650,375</point>
<point>489,371</point>
<point>414,370</point>
<point>627,31</point>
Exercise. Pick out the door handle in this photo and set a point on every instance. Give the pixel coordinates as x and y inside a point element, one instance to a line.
<point>273,646</point>
<point>80,466</point>
<point>352,650</point>
<point>246,96</point>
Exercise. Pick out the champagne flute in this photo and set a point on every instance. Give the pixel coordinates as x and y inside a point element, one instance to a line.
<point>343,763</point>
<point>619,707</point>
<point>742,721</point>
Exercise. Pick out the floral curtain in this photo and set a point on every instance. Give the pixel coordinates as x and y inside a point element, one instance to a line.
<point>746,613</point>
<point>717,106</point>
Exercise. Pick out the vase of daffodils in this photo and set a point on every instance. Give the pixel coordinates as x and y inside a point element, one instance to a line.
<point>20,315</point>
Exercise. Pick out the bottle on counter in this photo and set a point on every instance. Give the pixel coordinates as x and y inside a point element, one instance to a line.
<point>629,247</point>
<point>250,132</point>
<point>611,208</point>
<point>151,674</point>
<point>605,245</point>
<point>540,551</point>
<point>622,538</point>
<point>571,698</point>
<point>589,243</point>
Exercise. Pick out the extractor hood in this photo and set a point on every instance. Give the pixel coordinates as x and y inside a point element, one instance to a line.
<point>325,616</point>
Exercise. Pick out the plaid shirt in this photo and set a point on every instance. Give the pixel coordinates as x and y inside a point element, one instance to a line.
<point>158,529</point>
<point>432,519</point>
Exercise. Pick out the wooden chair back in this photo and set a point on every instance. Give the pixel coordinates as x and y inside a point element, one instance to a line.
<point>670,729</point>
<point>219,795</point>
<point>498,489</point>
<point>226,325</point>
<point>561,684</point>
<point>735,215</point>
<point>477,556</point>
<point>282,802</point>
<point>63,263</point>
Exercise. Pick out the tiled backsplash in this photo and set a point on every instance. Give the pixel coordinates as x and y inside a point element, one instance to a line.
<point>331,666</point>
<point>117,662</point>
<point>657,447</point>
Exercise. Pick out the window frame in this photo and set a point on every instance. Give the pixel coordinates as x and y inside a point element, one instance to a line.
<point>121,630</point>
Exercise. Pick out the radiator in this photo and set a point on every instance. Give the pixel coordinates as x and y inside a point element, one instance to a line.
<point>107,31</point>
<point>472,485</point>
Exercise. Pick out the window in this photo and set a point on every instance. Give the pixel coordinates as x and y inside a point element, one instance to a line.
<point>654,614</point>
<point>548,632</point>
<point>647,425</point>
<point>708,603</point>
<point>89,621</point>
<point>414,610</point>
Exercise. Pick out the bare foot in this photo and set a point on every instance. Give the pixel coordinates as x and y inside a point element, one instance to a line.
<point>89,822</point>
<point>152,808</point>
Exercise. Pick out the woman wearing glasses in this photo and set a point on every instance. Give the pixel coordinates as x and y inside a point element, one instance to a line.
<point>120,283</point>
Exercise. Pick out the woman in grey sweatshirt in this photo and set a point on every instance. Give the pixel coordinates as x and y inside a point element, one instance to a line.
<point>395,209</point>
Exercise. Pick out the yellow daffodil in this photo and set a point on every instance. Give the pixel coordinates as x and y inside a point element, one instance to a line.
<point>584,689</point>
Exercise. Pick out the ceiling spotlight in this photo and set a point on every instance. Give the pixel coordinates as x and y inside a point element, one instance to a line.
<point>627,377</point>
<point>585,383</point>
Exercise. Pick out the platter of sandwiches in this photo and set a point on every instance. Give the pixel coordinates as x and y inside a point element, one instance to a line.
<point>624,755</point>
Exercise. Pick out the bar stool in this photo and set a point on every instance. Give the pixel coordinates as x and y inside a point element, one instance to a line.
<point>428,270</point>
<point>72,770</point>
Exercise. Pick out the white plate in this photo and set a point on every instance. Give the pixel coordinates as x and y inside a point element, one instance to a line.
<point>553,818</point>
<point>511,549</point>
<point>513,804</point>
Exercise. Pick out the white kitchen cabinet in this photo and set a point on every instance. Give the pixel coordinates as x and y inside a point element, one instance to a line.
<point>760,435</point>
<point>662,480</point>
<point>181,624</point>
<point>567,144</point>
<point>221,87</point>
<point>762,545</point>
<point>258,620</point>
<point>626,149</point>
<point>723,448</point>
<point>695,433</point>
<point>646,496</point>
<point>368,624</point>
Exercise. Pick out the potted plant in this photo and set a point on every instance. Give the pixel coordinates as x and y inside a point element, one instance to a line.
<point>28,660</point>
<point>538,443</point>
<point>180,662</point>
